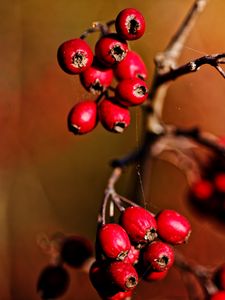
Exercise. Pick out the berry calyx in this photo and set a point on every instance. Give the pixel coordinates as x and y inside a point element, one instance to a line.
<point>123,275</point>
<point>83,117</point>
<point>76,250</point>
<point>52,282</point>
<point>172,227</point>
<point>113,116</point>
<point>159,255</point>
<point>111,49</point>
<point>130,24</point>
<point>97,78</point>
<point>75,56</point>
<point>132,66</point>
<point>139,224</point>
<point>114,241</point>
<point>131,92</point>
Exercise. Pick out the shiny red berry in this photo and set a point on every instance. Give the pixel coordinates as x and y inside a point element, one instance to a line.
<point>132,66</point>
<point>172,227</point>
<point>120,296</point>
<point>96,78</point>
<point>131,92</point>
<point>139,223</point>
<point>218,296</point>
<point>219,182</point>
<point>123,275</point>
<point>83,117</point>
<point>75,56</point>
<point>155,276</point>
<point>114,241</point>
<point>76,250</point>
<point>159,256</point>
<point>130,24</point>
<point>52,282</point>
<point>111,49</point>
<point>202,190</point>
<point>132,256</point>
<point>219,277</point>
<point>113,116</point>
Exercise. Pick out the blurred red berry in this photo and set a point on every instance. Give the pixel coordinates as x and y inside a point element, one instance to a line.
<point>219,181</point>
<point>155,276</point>
<point>202,189</point>
<point>218,296</point>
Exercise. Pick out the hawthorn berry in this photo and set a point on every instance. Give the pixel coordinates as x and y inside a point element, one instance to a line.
<point>123,275</point>
<point>218,296</point>
<point>52,282</point>
<point>113,116</point>
<point>83,117</point>
<point>155,276</point>
<point>159,256</point>
<point>139,223</point>
<point>132,256</point>
<point>131,92</point>
<point>219,277</point>
<point>114,241</point>
<point>202,189</point>
<point>219,182</point>
<point>96,78</point>
<point>75,56</point>
<point>130,24</point>
<point>76,250</point>
<point>120,296</point>
<point>111,49</point>
<point>172,227</point>
<point>132,66</point>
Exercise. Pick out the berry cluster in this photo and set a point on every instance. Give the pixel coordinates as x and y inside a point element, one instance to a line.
<point>207,194</point>
<point>137,247</point>
<point>112,58</point>
<point>73,251</point>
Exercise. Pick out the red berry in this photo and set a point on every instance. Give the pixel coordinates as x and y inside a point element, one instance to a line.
<point>96,78</point>
<point>132,92</point>
<point>219,182</point>
<point>139,223</point>
<point>52,282</point>
<point>114,241</point>
<point>113,116</point>
<point>83,117</point>
<point>123,275</point>
<point>132,256</point>
<point>159,256</point>
<point>132,66</point>
<point>219,277</point>
<point>120,296</point>
<point>155,276</point>
<point>218,296</point>
<point>75,56</point>
<point>111,49</point>
<point>76,250</point>
<point>172,227</point>
<point>202,189</point>
<point>130,24</point>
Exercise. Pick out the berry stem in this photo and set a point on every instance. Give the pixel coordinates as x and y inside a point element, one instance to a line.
<point>97,27</point>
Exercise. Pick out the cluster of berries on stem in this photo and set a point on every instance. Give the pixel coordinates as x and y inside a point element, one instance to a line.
<point>112,58</point>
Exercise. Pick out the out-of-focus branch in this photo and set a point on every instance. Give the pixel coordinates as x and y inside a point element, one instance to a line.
<point>167,60</point>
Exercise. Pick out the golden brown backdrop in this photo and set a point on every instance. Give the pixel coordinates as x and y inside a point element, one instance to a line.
<point>53,181</point>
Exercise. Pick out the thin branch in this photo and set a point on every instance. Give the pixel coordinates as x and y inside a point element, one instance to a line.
<point>190,67</point>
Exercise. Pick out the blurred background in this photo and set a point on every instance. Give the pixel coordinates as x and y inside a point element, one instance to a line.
<point>53,181</point>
